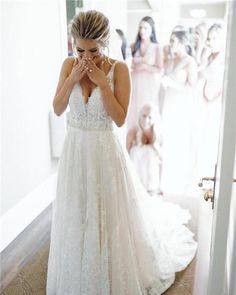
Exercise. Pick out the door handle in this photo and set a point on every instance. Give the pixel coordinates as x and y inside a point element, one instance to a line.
<point>200,184</point>
<point>209,194</point>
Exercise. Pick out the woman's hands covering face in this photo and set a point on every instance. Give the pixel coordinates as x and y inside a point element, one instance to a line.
<point>92,67</point>
<point>95,72</point>
<point>78,70</point>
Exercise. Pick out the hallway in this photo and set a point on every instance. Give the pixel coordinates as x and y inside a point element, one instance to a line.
<point>26,274</point>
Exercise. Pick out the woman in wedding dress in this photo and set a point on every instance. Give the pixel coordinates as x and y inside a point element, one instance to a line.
<point>107,236</point>
<point>144,147</point>
<point>146,68</point>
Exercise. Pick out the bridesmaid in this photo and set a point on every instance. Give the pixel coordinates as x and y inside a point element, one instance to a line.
<point>211,85</point>
<point>144,146</point>
<point>179,79</point>
<point>146,67</point>
<point>202,51</point>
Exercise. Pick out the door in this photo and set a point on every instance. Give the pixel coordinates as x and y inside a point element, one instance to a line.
<point>214,223</point>
<point>231,245</point>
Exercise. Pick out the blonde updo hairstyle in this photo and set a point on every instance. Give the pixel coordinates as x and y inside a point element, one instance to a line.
<point>92,25</point>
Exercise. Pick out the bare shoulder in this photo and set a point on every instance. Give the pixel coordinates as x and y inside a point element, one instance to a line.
<point>68,64</point>
<point>120,67</point>
<point>121,72</point>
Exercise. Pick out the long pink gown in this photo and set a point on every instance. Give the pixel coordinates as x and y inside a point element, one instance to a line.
<point>177,123</point>
<point>145,87</point>
<point>209,116</point>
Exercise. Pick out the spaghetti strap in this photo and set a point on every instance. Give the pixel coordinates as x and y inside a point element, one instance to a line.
<point>111,72</point>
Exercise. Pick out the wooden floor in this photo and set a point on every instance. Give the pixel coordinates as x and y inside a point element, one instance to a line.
<point>22,250</point>
<point>24,261</point>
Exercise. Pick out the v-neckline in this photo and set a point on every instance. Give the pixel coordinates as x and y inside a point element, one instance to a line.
<point>83,96</point>
<point>93,89</point>
<point>181,64</point>
<point>142,54</point>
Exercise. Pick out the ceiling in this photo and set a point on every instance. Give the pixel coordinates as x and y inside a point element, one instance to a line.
<point>157,4</point>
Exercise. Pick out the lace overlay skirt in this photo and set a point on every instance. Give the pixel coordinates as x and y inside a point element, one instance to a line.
<point>108,237</point>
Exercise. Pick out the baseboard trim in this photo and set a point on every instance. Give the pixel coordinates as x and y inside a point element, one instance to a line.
<point>15,220</point>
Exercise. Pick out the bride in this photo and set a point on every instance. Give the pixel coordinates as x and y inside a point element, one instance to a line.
<point>107,236</point>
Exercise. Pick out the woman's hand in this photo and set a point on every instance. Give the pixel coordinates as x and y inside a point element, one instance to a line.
<point>139,59</point>
<point>95,74</point>
<point>78,70</point>
<point>141,67</point>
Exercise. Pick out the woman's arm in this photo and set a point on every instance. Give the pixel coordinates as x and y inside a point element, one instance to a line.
<point>159,58</point>
<point>130,139</point>
<point>212,89</point>
<point>116,104</point>
<point>157,148</point>
<point>71,72</point>
<point>140,63</point>
<point>192,73</point>
<point>157,143</point>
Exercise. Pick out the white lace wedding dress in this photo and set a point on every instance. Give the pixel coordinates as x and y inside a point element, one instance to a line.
<point>108,237</point>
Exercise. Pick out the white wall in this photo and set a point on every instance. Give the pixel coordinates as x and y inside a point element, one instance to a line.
<point>32,53</point>
<point>33,46</point>
<point>164,17</point>
<point>114,10</point>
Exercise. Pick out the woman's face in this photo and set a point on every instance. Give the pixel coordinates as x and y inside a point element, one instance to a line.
<point>200,34</point>
<point>145,30</point>
<point>174,44</point>
<point>88,48</point>
<point>146,119</point>
<point>214,40</point>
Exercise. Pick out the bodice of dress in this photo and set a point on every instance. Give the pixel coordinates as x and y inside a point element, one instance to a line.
<point>150,54</point>
<point>91,115</point>
<point>214,71</point>
<point>178,72</point>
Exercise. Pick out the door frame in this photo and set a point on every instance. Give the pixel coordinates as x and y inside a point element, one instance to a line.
<point>227,143</point>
